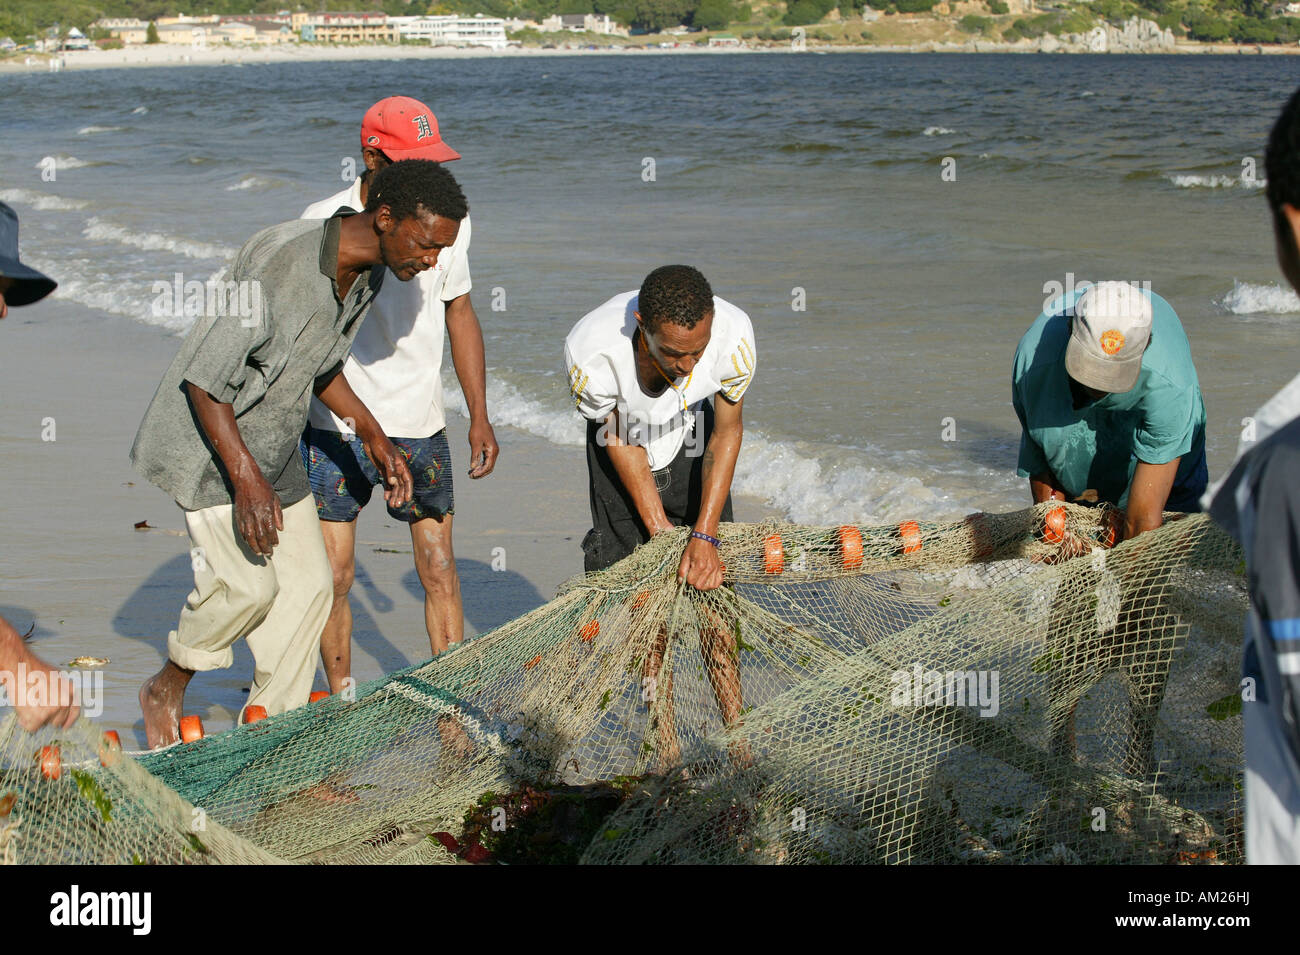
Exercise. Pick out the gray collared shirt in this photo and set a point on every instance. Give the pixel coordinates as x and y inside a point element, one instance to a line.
<point>261,343</point>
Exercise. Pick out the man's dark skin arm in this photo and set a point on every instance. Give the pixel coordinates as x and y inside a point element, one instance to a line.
<point>471,369</point>
<point>632,465</point>
<point>336,394</point>
<point>701,567</point>
<point>257,509</point>
<point>1044,487</point>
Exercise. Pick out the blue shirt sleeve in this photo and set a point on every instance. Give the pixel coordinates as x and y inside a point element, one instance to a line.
<point>1273,572</point>
<point>1168,426</point>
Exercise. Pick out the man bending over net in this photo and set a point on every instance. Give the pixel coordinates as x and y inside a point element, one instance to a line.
<point>660,375</point>
<point>1111,411</point>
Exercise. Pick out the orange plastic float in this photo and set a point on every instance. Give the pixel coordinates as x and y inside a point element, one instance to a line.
<point>110,746</point>
<point>191,729</point>
<point>533,662</point>
<point>318,695</point>
<point>51,762</point>
<point>253,713</point>
<point>1054,525</point>
<point>851,547</point>
<point>640,600</point>
<point>773,554</point>
<point>589,630</point>
<point>910,534</point>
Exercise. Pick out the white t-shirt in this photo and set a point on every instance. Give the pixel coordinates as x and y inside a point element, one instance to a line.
<point>396,359</point>
<point>602,375</point>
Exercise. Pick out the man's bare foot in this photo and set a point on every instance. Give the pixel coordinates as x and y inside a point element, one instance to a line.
<point>161,699</point>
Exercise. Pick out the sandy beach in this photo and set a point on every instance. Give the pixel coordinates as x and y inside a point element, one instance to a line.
<point>76,569</point>
<point>226,55</point>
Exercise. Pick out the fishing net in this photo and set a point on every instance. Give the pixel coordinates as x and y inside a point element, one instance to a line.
<point>922,693</point>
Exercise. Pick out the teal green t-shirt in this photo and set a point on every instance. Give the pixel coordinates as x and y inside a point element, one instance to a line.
<point>1097,447</point>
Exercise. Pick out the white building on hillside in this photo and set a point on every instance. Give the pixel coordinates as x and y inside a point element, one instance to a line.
<point>580,23</point>
<point>452,30</point>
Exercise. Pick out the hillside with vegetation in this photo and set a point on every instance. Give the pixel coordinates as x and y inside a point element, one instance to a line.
<point>827,21</point>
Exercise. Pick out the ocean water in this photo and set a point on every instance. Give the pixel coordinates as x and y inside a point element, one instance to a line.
<point>892,223</point>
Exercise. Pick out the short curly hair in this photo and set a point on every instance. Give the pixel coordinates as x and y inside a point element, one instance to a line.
<point>678,294</point>
<point>412,185</point>
<point>1282,158</point>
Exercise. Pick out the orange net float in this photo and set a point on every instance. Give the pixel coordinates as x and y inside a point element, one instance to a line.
<point>773,554</point>
<point>254,713</point>
<point>318,695</point>
<point>589,631</point>
<point>640,600</point>
<point>850,547</point>
<point>191,729</point>
<point>909,532</point>
<point>51,762</point>
<point>533,662</point>
<point>110,747</point>
<point>1054,525</point>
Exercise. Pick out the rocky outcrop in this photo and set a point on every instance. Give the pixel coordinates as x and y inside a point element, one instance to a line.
<point>1135,36</point>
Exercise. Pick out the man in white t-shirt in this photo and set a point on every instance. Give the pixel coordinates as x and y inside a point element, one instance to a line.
<point>660,374</point>
<point>394,368</point>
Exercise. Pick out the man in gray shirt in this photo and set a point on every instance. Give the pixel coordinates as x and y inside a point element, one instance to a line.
<point>1258,503</point>
<point>221,434</point>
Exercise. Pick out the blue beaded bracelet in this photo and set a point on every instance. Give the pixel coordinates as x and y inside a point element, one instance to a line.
<point>705,537</point>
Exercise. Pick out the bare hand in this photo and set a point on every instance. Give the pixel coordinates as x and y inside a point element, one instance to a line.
<point>391,465</point>
<point>50,700</point>
<point>483,449</point>
<point>1072,546</point>
<point>258,515</point>
<point>701,567</point>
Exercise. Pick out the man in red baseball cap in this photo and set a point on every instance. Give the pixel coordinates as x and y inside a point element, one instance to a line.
<point>403,128</point>
<point>395,367</point>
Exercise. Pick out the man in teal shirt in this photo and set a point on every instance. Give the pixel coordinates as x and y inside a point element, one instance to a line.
<point>1109,404</point>
<point>1111,412</point>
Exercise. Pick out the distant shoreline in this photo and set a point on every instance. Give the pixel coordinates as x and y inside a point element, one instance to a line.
<point>168,55</point>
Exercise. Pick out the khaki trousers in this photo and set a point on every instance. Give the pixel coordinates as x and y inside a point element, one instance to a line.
<point>278,604</point>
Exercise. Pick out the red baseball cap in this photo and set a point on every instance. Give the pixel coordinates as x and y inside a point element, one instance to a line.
<point>404,128</point>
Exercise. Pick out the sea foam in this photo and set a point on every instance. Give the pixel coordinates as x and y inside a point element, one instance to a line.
<point>805,488</point>
<point>1197,181</point>
<point>40,201</point>
<point>1250,299</point>
<point>63,161</point>
<point>102,231</point>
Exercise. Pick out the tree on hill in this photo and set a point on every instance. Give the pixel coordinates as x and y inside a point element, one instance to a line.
<point>657,15</point>
<point>804,12</point>
<point>713,14</point>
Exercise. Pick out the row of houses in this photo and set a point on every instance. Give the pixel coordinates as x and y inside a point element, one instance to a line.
<point>444,30</point>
